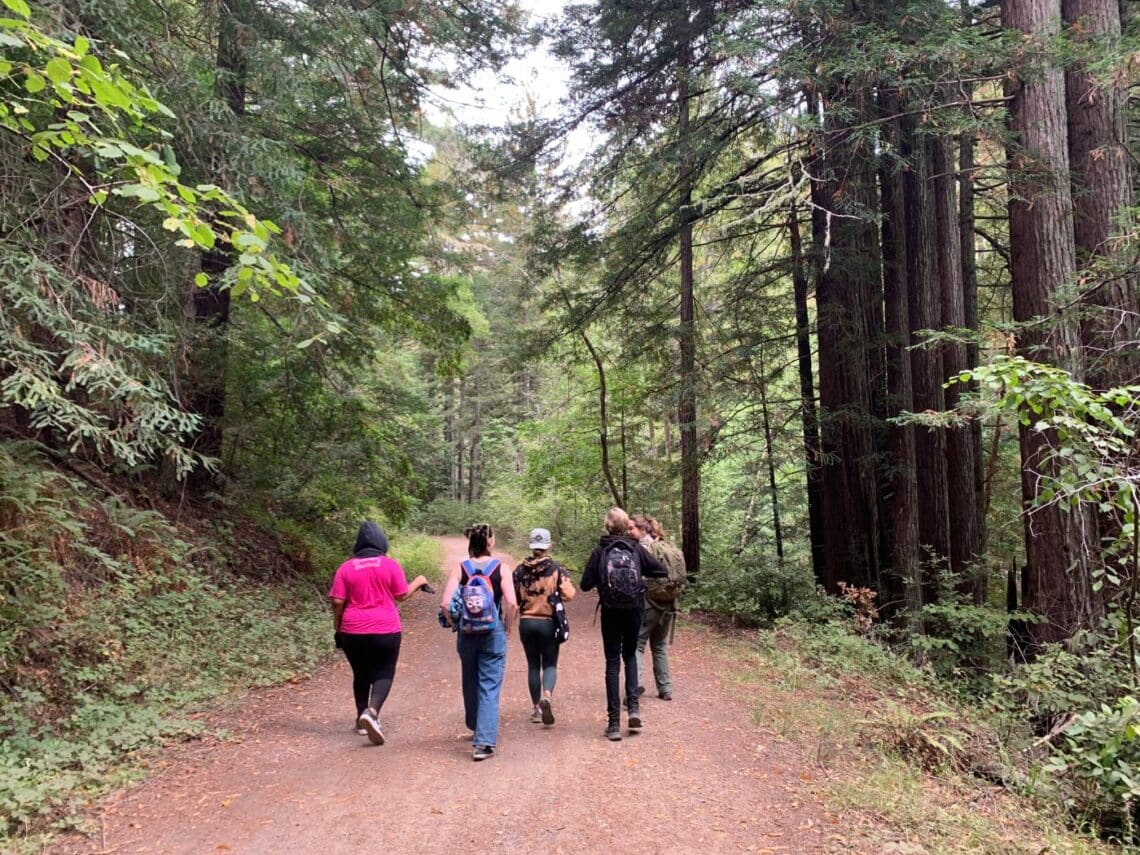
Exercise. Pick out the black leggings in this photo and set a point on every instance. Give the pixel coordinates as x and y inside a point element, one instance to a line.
<point>619,642</point>
<point>537,637</point>
<point>373,659</point>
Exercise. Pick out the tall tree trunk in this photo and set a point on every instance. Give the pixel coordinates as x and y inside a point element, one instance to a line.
<point>687,340</point>
<point>603,421</point>
<point>847,250</point>
<point>771,465</point>
<point>624,461</point>
<point>904,585</point>
<point>808,417</point>
<point>965,540</point>
<point>968,255</point>
<point>1102,189</point>
<point>1058,544</point>
<point>210,305</point>
<point>460,451</point>
<point>924,307</point>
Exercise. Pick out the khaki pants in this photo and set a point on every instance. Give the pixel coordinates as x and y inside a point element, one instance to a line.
<point>656,626</point>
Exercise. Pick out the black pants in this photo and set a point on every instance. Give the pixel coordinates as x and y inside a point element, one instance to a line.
<point>537,637</point>
<point>620,628</point>
<point>373,659</point>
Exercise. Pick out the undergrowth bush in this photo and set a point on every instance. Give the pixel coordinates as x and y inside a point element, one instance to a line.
<point>113,623</point>
<point>1080,700</point>
<point>753,590</point>
<point>418,554</point>
<point>447,517</point>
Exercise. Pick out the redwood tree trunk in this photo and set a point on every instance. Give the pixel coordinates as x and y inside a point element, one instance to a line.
<point>847,248</point>
<point>1058,544</point>
<point>924,307</point>
<point>904,584</point>
<point>808,417</point>
<point>1101,187</point>
<point>961,495</point>
<point>210,305</point>
<point>687,406</point>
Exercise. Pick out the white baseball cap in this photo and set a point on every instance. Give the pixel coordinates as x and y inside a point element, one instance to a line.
<point>539,538</point>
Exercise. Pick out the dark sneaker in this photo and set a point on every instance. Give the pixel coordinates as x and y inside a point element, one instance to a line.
<point>665,696</point>
<point>640,691</point>
<point>634,721</point>
<point>483,752</point>
<point>546,712</point>
<point>536,715</point>
<point>371,726</point>
<point>613,732</point>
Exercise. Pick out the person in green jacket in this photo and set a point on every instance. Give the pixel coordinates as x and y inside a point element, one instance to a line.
<point>661,595</point>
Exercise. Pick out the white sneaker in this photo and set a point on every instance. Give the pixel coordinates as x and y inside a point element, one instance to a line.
<point>371,727</point>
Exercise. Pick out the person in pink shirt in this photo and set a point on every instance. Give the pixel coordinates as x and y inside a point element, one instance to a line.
<point>366,622</point>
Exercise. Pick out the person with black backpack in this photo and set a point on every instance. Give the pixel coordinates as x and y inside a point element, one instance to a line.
<point>616,568</point>
<point>661,597</point>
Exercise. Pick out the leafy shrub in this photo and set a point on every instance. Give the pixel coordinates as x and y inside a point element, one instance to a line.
<point>447,517</point>
<point>1081,699</point>
<point>1099,759</point>
<point>753,590</point>
<point>417,553</point>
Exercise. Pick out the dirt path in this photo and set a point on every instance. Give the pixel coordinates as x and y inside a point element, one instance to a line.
<point>700,777</point>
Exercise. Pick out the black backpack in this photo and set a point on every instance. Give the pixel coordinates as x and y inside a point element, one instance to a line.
<point>620,585</point>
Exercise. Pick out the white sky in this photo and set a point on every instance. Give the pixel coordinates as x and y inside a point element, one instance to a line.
<point>491,98</point>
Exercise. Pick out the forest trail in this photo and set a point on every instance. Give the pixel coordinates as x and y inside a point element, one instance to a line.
<point>294,778</point>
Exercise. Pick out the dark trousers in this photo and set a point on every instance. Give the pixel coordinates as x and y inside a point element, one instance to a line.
<point>373,659</point>
<point>541,648</point>
<point>620,628</point>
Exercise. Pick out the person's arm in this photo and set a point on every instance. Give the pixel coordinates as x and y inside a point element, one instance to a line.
<point>415,585</point>
<point>449,592</point>
<point>338,613</point>
<point>650,566</point>
<point>510,602</point>
<point>590,573</point>
<point>565,586</point>
<point>516,583</point>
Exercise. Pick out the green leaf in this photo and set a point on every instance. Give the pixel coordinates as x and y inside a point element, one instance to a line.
<point>201,280</point>
<point>82,45</point>
<point>34,83</point>
<point>58,70</point>
<point>19,7</point>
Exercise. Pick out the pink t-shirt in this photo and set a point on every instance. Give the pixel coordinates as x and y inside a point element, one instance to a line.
<point>369,587</point>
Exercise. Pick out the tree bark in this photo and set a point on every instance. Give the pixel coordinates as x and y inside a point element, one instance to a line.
<point>687,340</point>
<point>770,462</point>
<point>1058,544</point>
<point>209,306</point>
<point>924,307</point>
<point>808,417</point>
<point>903,586</point>
<point>847,256</point>
<point>1102,189</point>
<point>968,254</point>
<point>961,495</point>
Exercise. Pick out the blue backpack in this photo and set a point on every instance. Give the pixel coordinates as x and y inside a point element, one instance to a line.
<point>477,610</point>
